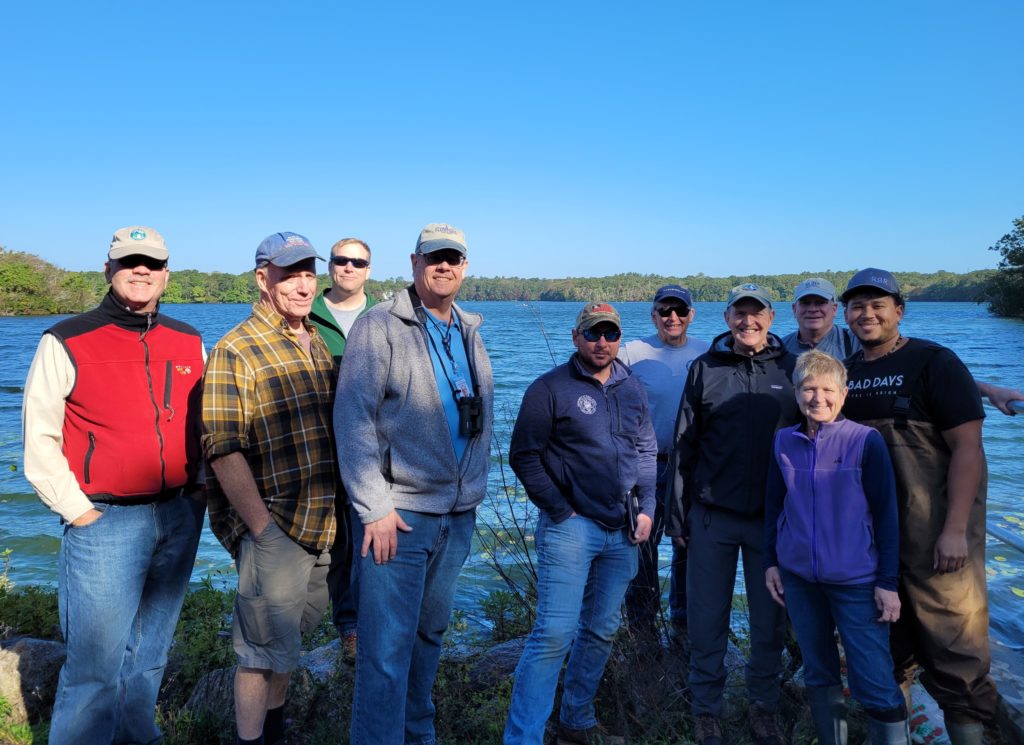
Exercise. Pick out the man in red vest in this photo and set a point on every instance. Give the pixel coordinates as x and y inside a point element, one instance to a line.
<point>112,446</point>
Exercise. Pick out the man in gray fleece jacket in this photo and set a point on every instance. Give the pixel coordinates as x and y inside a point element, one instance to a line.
<point>413,417</point>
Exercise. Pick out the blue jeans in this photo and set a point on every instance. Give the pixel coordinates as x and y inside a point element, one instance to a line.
<point>583,571</point>
<point>816,609</point>
<point>121,583</point>
<point>342,576</point>
<point>404,607</point>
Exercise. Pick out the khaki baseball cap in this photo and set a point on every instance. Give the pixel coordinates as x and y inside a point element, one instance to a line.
<point>137,240</point>
<point>595,313</point>
<point>438,236</point>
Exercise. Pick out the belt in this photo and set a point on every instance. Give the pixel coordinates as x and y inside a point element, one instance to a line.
<point>164,496</point>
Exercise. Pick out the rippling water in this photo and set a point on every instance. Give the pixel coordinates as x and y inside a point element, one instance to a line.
<point>522,340</point>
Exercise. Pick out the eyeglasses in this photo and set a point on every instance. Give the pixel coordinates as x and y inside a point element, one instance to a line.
<point>666,312</point>
<point>135,260</point>
<point>357,263</point>
<point>611,335</point>
<point>451,258</point>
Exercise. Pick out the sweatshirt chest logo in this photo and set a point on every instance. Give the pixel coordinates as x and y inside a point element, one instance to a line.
<point>586,404</point>
<point>183,369</point>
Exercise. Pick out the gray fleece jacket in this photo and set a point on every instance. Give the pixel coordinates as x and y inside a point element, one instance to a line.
<point>394,448</point>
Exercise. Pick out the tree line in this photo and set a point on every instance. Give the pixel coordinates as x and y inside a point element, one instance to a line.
<point>31,286</point>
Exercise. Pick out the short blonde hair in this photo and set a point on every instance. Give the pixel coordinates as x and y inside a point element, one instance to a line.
<point>818,364</point>
<point>346,241</point>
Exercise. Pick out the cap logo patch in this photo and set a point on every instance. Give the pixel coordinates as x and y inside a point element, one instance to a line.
<point>137,235</point>
<point>586,404</point>
<point>294,240</point>
<point>749,287</point>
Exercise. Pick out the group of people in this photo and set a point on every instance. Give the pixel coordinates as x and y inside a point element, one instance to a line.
<point>316,434</point>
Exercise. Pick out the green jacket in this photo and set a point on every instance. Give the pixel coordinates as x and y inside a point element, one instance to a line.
<point>321,317</point>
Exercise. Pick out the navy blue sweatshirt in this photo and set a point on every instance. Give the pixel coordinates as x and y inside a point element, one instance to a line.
<point>580,446</point>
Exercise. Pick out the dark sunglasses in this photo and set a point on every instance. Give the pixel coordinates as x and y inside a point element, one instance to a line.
<point>357,263</point>
<point>609,334</point>
<point>666,312</point>
<point>130,262</point>
<point>451,258</point>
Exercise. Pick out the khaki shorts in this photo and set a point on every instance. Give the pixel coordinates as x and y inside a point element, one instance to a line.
<point>282,592</point>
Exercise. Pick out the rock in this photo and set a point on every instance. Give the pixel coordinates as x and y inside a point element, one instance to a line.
<point>497,663</point>
<point>322,661</point>
<point>28,677</point>
<point>214,695</point>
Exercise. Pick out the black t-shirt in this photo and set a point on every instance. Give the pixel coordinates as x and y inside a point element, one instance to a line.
<point>945,394</point>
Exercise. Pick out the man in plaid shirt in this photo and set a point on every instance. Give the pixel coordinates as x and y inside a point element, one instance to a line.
<point>268,437</point>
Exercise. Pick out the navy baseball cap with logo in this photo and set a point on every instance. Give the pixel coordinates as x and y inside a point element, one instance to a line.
<point>871,278</point>
<point>284,249</point>
<point>674,292</point>
<point>752,291</point>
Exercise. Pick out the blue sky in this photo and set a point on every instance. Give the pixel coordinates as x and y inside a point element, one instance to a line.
<point>566,139</point>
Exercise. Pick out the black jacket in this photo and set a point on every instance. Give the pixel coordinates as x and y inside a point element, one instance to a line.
<point>730,410</point>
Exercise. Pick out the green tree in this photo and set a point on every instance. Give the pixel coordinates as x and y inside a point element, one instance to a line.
<point>1006,289</point>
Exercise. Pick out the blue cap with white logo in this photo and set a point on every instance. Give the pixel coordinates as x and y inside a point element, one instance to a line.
<point>284,249</point>
<point>877,279</point>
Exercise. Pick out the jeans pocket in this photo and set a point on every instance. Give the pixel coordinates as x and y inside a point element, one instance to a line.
<point>269,533</point>
<point>99,507</point>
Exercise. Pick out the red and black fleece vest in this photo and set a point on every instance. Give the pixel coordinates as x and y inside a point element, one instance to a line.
<point>131,421</point>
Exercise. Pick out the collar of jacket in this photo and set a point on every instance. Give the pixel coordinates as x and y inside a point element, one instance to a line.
<point>125,317</point>
<point>721,347</point>
<point>404,307</point>
<point>619,371</point>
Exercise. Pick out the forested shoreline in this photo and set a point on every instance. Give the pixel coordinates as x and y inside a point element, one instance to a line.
<point>30,285</point>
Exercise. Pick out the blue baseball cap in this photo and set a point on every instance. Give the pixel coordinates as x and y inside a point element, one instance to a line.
<point>674,292</point>
<point>284,249</point>
<point>877,279</point>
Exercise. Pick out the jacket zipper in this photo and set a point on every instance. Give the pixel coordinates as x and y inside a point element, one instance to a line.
<point>88,456</point>
<point>152,399</point>
<point>814,509</point>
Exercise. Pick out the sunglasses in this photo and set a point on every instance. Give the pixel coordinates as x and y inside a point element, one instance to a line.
<point>130,262</point>
<point>357,263</point>
<point>451,258</point>
<point>666,312</point>
<point>611,335</point>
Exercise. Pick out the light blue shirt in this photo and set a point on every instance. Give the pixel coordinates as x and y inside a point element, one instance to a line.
<point>449,372</point>
<point>662,369</point>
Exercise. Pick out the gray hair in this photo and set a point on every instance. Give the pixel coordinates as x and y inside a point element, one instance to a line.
<point>814,364</point>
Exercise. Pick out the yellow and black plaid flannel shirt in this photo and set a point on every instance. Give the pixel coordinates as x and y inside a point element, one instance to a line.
<point>265,397</point>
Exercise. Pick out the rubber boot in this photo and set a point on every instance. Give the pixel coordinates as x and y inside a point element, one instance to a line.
<point>888,733</point>
<point>828,712</point>
<point>966,734</point>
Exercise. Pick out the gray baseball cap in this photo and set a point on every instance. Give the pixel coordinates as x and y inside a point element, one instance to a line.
<point>752,291</point>
<point>438,236</point>
<point>815,286</point>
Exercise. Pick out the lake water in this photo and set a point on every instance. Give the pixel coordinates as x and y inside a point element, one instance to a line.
<point>522,339</point>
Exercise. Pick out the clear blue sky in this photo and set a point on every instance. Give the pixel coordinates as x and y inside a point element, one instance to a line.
<point>566,139</point>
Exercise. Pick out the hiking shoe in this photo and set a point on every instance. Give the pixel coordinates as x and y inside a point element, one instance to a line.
<point>348,647</point>
<point>765,727</point>
<point>707,730</point>
<point>595,735</point>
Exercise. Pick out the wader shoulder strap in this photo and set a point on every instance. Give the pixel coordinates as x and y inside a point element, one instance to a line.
<point>901,404</point>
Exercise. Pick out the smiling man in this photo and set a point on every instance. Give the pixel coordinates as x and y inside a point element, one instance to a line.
<point>737,395</point>
<point>333,313</point>
<point>921,397</point>
<point>268,438</point>
<point>585,451</point>
<point>413,415</point>
<point>112,446</point>
<point>814,307</point>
